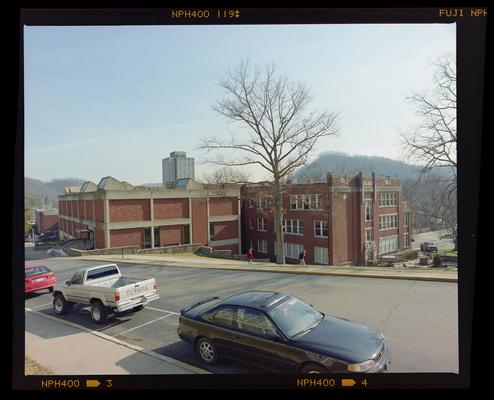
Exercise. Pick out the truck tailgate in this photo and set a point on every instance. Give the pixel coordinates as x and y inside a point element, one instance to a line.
<point>135,294</point>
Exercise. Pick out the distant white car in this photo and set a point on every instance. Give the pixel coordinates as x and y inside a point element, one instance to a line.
<point>56,252</point>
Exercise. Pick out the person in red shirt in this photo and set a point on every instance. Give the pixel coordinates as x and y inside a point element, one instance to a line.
<point>250,255</point>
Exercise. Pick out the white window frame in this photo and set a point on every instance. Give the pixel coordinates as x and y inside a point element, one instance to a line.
<point>305,202</point>
<point>321,255</point>
<point>388,244</point>
<point>252,224</point>
<point>371,230</point>
<point>406,240</point>
<point>319,231</point>
<point>292,250</point>
<point>388,199</point>
<point>368,205</point>
<point>293,227</point>
<point>262,225</point>
<point>388,222</point>
<point>406,218</point>
<point>262,246</point>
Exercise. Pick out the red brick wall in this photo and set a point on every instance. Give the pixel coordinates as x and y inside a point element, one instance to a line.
<point>49,223</point>
<point>171,208</point>
<point>99,210</point>
<point>100,238</point>
<point>129,210</point>
<point>223,206</point>
<point>225,230</point>
<point>199,221</point>
<point>171,235</point>
<point>341,231</point>
<point>89,210</point>
<point>80,207</point>
<point>127,237</point>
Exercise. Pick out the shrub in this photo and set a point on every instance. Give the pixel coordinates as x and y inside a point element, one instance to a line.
<point>436,260</point>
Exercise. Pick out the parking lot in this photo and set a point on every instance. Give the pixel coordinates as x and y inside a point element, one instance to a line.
<point>419,319</point>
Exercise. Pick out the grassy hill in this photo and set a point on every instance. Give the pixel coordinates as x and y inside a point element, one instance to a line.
<point>346,164</point>
<point>48,192</point>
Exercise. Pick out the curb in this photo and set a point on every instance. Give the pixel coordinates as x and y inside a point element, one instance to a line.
<point>269,269</point>
<point>125,344</point>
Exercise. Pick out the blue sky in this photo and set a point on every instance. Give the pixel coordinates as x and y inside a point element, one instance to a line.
<point>116,100</point>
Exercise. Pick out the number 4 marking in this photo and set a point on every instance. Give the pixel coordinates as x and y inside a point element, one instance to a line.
<point>364,382</point>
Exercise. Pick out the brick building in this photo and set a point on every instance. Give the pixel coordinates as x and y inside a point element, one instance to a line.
<point>345,220</point>
<point>46,220</point>
<point>117,214</point>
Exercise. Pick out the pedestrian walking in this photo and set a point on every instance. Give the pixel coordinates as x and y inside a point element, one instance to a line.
<point>301,257</point>
<point>250,255</point>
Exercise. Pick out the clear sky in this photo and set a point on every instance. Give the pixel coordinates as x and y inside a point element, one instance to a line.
<point>116,100</point>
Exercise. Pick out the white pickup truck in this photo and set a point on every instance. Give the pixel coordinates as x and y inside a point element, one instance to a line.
<point>105,289</point>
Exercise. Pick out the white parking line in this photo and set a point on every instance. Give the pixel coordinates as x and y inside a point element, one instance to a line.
<point>41,305</point>
<point>165,311</point>
<point>147,323</point>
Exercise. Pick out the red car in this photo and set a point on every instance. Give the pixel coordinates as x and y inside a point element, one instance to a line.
<point>38,277</point>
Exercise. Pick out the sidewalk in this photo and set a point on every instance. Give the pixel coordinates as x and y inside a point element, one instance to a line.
<point>409,273</point>
<point>50,342</point>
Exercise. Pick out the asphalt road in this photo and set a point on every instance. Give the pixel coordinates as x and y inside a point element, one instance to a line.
<point>419,319</point>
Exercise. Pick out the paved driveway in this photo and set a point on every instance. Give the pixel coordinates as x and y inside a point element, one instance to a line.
<point>419,319</point>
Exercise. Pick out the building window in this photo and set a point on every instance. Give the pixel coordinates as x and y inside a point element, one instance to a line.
<point>406,241</point>
<point>262,226</point>
<point>293,227</point>
<point>292,250</point>
<point>405,219</point>
<point>389,221</point>
<point>262,246</point>
<point>252,224</point>
<point>321,255</point>
<point>262,203</point>
<point>251,203</point>
<point>388,244</point>
<point>387,199</point>
<point>321,228</point>
<point>368,209</point>
<point>305,202</point>
<point>369,234</point>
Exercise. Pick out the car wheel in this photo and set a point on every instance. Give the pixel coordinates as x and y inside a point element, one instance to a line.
<point>207,351</point>
<point>60,305</point>
<point>98,312</point>
<point>312,368</point>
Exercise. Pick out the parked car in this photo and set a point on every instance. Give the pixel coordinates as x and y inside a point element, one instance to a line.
<point>38,277</point>
<point>281,333</point>
<point>428,247</point>
<point>105,289</point>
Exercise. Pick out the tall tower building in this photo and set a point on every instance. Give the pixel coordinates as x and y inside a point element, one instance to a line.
<point>177,166</point>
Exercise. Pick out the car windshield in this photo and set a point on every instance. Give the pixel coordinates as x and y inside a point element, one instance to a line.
<point>36,271</point>
<point>294,317</point>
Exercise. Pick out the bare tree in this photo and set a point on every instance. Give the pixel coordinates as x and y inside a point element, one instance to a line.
<point>225,175</point>
<point>433,142</point>
<point>281,133</point>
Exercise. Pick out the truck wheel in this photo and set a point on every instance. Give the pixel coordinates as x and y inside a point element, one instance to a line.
<point>138,308</point>
<point>98,312</point>
<point>60,305</point>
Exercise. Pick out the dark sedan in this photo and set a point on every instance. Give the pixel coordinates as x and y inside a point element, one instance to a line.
<point>280,333</point>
